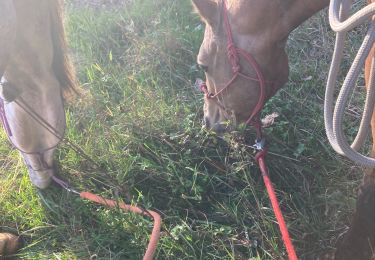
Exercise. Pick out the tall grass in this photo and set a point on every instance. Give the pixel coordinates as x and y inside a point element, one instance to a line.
<point>141,122</point>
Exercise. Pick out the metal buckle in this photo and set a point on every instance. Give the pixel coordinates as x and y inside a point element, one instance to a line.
<point>259,144</point>
<point>64,185</point>
<point>72,190</point>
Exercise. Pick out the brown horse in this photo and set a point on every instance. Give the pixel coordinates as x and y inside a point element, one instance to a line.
<point>35,74</point>
<point>261,28</point>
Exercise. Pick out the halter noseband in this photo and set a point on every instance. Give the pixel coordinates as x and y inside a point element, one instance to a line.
<point>234,55</point>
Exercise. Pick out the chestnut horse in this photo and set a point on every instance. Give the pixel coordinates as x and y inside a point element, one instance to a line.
<point>234,90</point>
<point>35,75</point>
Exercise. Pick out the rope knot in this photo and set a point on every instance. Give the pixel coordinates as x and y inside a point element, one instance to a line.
<point>203,87</point>
<point>233,58</point>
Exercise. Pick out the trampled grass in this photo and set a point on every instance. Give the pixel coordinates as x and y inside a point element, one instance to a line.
<point>141,123</point>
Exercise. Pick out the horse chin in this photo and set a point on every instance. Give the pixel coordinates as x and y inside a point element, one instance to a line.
<point>219,128</point>
<point>41,179</point>
<point>220,124</point>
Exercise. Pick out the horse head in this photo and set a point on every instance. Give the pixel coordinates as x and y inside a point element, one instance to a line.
<point>243,54</point>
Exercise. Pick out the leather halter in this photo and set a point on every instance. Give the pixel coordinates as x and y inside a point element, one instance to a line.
<point>234,54</point>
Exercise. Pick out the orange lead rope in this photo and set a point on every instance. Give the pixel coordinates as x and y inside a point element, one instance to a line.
<point>152,245</point>
<point>154,239</point>
<point>113,204</point>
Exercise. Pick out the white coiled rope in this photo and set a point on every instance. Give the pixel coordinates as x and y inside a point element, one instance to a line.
<point>333,116</point>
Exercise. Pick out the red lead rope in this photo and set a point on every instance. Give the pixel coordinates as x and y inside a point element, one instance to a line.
<point>233,54</point>
<point>275,205</point>
<point>234,58</point>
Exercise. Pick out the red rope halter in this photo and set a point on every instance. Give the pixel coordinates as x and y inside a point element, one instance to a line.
<point>234,55</point>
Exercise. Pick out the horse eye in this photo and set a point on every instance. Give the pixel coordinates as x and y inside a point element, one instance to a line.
<point>203,67</point>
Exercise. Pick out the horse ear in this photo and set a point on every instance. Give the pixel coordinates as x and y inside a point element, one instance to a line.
<point>208,10</point>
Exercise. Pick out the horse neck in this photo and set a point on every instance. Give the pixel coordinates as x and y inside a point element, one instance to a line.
<point>299,11</point>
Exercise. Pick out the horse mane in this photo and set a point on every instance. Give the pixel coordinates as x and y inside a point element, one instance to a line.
<point>62,65</point>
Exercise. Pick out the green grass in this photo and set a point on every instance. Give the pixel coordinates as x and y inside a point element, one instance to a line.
<point>141,122</point>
